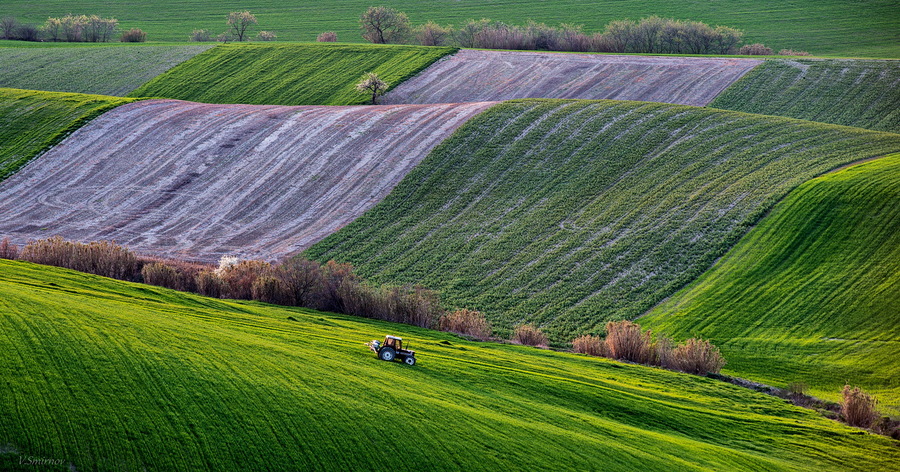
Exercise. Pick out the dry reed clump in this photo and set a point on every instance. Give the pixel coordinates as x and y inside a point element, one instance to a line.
<point>413,305</point>
<point>327,37</point>
<point>590,345</point>
<point>755,49</point>
<point>530,335</point>
<point>173,274</point>
<point>269,289</point>
<point>626,341</point>
<point>467,322</point>
<point>858,408</point>
<point>209,284</point>
<point>241,276</point>
<point>103,258</point>
<point>8,250</point>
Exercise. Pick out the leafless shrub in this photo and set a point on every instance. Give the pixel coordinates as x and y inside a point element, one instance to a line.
<point>8,26</point>
<point>466,322</point>
<point>302,279</point>
<point>100,258</point>
<point>530,335</point>
<point>571,38</point>
<point>414,305</point>
<point>625,341</point>
<point>755,49</point>
<point>200,36</point>
<point>590,345</point>
<point>791,52</point>
<point>223,38</point>
<point>383,25</point>
<point>465,35</point>
<point>240,278</point>
<point>266,36</point>
<point>858,408</point>
<point>209,284</point>
<point>334,275</point>
<point>698,356</point>
<point>664,353</point>
<point>134,35</point>
<point>269,289</point>
<point>433,34</point>
<point>27,32</point>
<point>327,37</point>
<point>8,250</point>
<point>161,275</point>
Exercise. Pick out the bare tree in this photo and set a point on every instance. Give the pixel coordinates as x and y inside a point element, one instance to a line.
<point>433,34</point>
<point>383,25</point>
<point>8,26</point>
<point>239,22</point>
<point>371,83</point>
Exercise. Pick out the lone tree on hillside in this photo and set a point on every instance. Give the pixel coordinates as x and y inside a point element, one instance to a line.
<point>371,83</point>
<point>383,25</point>
<point>240,21</point>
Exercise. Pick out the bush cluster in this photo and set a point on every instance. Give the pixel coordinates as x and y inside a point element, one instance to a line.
<point>295,282</point>
<point>530,335</point>
<point>468,323</point>
<point>648,35</point>
<point>626,341</point>
<point>69,28</point>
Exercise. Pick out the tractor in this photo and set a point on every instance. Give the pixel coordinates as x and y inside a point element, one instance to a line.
<point>392,349</point>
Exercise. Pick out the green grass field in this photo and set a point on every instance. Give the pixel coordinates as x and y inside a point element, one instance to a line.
<point>845,92</point>
<point>107,375</point>
<point>571,213</point>
<point>825,27</point>
<point>30,121</point>
<point>98,70</point>
<point>811,294</point>
<point>281,74</point>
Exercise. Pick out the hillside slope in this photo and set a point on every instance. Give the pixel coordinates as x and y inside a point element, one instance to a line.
<point>288,74</point>
<point>30,122</point>
<point>106,375</point>
<point>860,93</point>
<point>812,294</point>
<point>472,75</point>
<point>833,27</point>
<point>197,181</point>
<point>103,70</point>
<point>571,213</point>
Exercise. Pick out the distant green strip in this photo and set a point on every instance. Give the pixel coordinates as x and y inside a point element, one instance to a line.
<point>288,74</point>
<point>31,122</point>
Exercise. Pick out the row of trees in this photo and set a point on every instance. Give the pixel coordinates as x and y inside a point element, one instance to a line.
<point>383,25</point>
<point>69,28</point>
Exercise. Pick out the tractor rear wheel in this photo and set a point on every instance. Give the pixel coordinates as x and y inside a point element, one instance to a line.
<point>410,360</point>
<point>387,354</point>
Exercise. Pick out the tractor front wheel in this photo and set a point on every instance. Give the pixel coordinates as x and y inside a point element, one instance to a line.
<point>387,354</point>
<point>410,360</point>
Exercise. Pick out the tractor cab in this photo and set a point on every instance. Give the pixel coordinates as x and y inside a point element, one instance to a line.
<point>392,349</point>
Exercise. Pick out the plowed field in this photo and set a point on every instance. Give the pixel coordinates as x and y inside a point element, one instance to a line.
<point>472,75</point>
<point>197,181</point>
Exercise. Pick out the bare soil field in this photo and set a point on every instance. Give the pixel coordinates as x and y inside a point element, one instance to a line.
<point>196,181</point>
<point>472,75</point>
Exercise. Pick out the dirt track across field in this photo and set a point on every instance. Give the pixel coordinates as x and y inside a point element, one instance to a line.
<point>472,75</point>
<point>195,181</point>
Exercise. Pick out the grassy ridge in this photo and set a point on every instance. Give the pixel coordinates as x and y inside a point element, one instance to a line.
<point>811,294</point>
<point>99,70</point>
<point>107,375</point>
<point>296,74</point>
<point>33,121</point>
<point>845,92</point>
<point>570,213</point>
<point>833,27</point>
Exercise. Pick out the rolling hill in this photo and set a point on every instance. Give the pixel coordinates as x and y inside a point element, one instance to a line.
<point>94,70</point>
<point>106,375</point>
<point>824,27</point>
<point>196,181</point>
<point>475,75</point>
<point>31,122</point>
<point>288,74</point>
<point>571,213</point>
<point>811,294</point>
<point>857,93</point>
